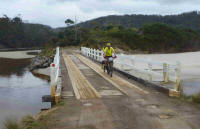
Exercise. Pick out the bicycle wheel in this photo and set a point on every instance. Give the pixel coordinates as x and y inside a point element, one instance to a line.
<point>108,70</point>
<point>111,68</point>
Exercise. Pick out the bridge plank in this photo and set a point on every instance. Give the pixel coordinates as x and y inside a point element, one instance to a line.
<point>82,86</point>
<point>72,79</point>
<point>115,80</point>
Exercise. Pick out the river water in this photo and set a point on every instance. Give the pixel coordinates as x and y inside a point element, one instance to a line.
<point>20,91</point>
<point>190,68</point>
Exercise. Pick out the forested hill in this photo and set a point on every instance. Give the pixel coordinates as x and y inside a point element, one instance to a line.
<point>16,34</point>
<point>186,20</point>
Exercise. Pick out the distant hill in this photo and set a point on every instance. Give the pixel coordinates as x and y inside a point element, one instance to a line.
<point>189,20</point>
<point>16,34</point>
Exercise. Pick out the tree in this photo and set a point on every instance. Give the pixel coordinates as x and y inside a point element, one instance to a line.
<point>69,22</point>
<point>16,34</point>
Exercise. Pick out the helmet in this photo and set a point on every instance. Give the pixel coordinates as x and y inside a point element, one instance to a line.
<point>108,44</point>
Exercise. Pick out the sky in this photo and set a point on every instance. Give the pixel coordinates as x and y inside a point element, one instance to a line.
<point>55,12</point>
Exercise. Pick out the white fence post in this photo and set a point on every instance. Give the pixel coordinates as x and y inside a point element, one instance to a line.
<point>95,54</point>
<point>165,72</point>
<point>98,55</point>
<point>102,54</point>
<point>88,52</point>
<point>53,79</point>
<point>54,72</point>
<point>178,80</point>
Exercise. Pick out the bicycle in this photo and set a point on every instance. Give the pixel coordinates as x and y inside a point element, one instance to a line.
<point>109,65</point>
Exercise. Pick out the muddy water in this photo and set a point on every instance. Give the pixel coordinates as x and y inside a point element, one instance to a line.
<point>191,86</point>
<point>20,90</point>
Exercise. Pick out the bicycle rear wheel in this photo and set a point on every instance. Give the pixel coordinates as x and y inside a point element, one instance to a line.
<point>111,68</point>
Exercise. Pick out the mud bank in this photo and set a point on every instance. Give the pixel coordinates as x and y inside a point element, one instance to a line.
<point>39,62</point>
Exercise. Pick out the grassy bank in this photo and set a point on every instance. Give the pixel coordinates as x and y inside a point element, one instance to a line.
<point>193,98</point>
<point>48,51</point>
<point>41,121</point>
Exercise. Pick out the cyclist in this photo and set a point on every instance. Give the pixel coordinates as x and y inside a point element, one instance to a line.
<point>108,52</point>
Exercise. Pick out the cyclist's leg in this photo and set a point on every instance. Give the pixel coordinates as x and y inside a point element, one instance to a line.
<point>103,63</point>
<point>107,65</point>
<point>111,66</point>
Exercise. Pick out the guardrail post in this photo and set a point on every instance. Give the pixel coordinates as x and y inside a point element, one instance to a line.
<point>102,58</point>
<point>94,54</point>
<point>55,75</point>
<point>88,52</point>
<point>165,72</point>
<point>53,81</point>
<point>150,69</point>
<point>178,80</point>
<point>91,53</point>
<point>176,91</point>
<point>98,55</point>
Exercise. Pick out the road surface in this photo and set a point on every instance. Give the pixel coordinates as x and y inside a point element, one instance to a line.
<point>93,100</point>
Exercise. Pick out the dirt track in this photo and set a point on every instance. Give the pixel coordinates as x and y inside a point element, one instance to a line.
<point>120,106</point>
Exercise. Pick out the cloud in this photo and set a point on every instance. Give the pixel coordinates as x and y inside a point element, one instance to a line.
<point>54,12</point>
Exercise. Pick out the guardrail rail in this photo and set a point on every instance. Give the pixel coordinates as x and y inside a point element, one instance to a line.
<point>55,77</point>
<point>122,64</point>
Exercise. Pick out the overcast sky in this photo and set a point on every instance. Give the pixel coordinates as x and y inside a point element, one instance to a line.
<point>54,12</point>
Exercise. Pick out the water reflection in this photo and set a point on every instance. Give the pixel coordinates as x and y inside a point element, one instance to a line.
<point>9,67</point>
<point>20,91</point>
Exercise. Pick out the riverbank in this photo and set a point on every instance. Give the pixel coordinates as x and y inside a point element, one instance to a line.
<point>18,54</point>
<point>18,49</point>
<point>39,62</point>
<point>43,59</point>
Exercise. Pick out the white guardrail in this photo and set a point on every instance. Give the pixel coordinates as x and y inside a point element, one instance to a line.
<point>55,76</point>
<point>167,72</point>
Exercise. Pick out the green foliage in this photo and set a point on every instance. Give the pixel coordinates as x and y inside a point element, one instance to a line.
<point>16,34</point>
<point>155,37</point>
<point>69,22</point>
<point>48,50</point>
<point>193,98</point>
<point>29,122</point>
<point>189,20</point>
<point>11,124</point>
<point>196,98</point>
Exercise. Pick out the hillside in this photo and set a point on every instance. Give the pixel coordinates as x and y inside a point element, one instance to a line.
<point>186,20</point>
<point>149,38</point>
<point>16,34</point>
<point>151,33</point>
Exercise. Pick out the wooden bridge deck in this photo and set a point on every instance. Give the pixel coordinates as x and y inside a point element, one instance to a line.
<point>93,100</point>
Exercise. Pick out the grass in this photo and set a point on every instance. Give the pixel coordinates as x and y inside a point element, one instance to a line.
<point>42,121</point>
<point>196,98</point>
<point>27,122</point>
<point>193,98</point>
<point>48,52</point>
<point>11,124</point>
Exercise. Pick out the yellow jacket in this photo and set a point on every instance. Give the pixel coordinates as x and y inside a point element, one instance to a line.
<point>108,52</point>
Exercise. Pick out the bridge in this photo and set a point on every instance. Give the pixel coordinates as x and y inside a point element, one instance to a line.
<point>94,100</point>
